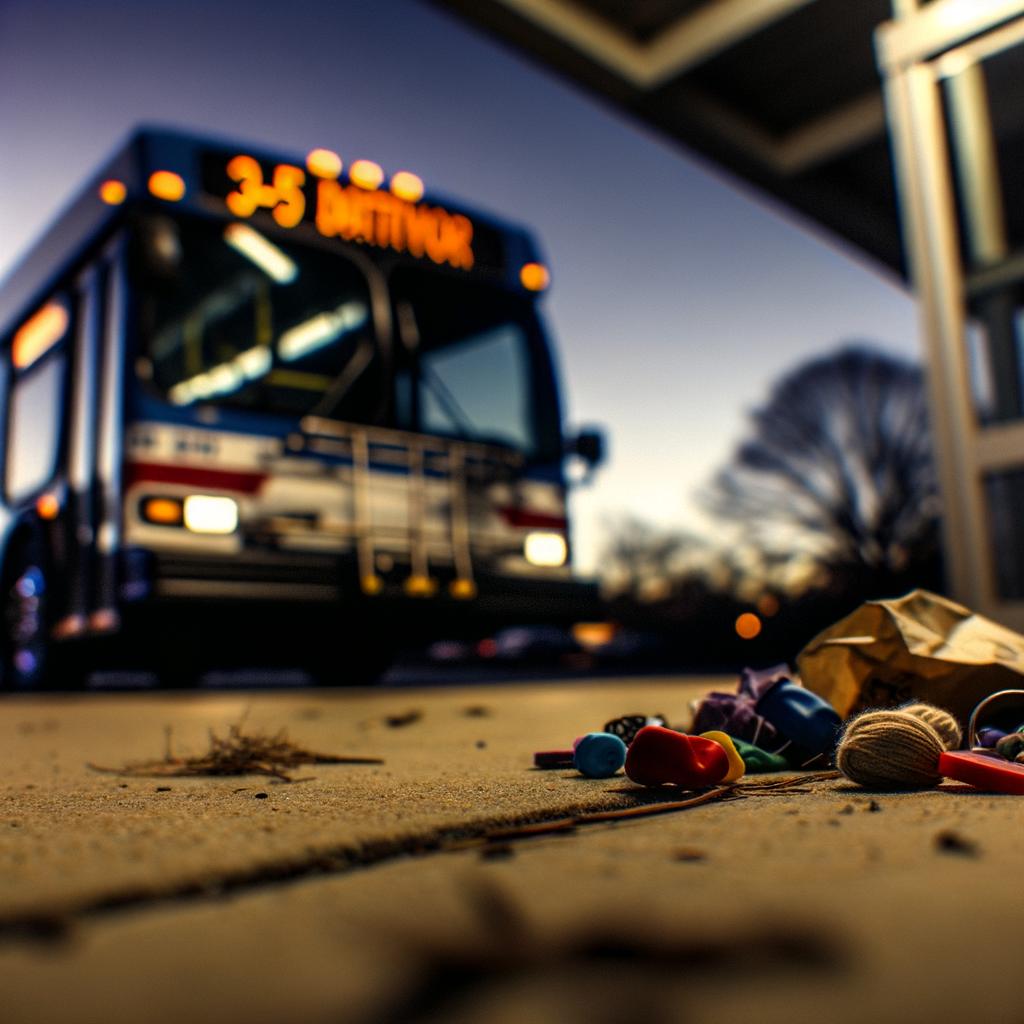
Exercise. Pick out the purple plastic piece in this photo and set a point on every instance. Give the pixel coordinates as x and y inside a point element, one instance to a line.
<point>990,737</point>
<point>735,714</point>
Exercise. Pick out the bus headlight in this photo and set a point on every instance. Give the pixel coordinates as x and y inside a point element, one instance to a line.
<point>205,513</point>
<point>545,549</point>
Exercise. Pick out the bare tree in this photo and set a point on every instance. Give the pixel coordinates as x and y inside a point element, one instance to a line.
<point>839,466</point>
<point>638,558</point>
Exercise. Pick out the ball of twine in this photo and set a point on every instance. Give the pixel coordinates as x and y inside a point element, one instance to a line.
<point>890,750</point>
<point>941,721</point>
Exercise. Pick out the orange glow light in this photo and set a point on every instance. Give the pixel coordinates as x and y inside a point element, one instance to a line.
<point>748,625</point>
<point>39,334</point>
<point>768,605</point>
<point>593,634</point>
<point>113,192</point>
<point>407,186</point>
<point>167,185</point>
<point>323,163</point>
<point>165,511</point>
<point>366,174</point>
<point>535,277</point>
<point>47,506</point>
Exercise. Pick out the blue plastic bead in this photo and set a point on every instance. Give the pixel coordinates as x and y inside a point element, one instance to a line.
<point>802,716</point>
<point>599,755</point>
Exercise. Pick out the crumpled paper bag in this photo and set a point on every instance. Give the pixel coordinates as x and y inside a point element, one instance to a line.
<point>917,647</point>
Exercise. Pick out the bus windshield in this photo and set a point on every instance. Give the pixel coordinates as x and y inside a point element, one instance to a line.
<point>229,317</point>
<point>470,363</point>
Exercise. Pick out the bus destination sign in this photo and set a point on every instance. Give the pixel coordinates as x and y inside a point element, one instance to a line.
<point>350,211</point>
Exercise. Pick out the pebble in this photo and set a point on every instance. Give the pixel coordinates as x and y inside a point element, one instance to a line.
<point>1010,746</point>
<point>599,755</point>
<point>658,756</point>
<point>628,726</point>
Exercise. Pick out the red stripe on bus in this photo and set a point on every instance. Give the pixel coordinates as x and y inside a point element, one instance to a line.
<point>193,476</point>
<point>521,517</point>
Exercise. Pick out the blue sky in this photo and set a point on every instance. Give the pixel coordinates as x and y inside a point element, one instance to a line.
<point>678,295</point>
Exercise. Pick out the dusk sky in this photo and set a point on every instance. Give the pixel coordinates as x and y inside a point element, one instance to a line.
<point>678,296</point>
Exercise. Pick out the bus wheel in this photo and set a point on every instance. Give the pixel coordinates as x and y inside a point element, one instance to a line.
<point>25,617</point>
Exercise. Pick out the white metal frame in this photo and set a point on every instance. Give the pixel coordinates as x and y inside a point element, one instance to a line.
<point>922,51</point>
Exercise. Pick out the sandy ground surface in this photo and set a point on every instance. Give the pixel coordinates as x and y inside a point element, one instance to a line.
<point>370,893</point>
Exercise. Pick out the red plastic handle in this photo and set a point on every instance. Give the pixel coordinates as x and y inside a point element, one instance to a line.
<point>983,772</point>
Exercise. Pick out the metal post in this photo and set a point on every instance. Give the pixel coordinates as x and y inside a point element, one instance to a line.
<point>419,583</point>
<point>81,460</point>
<point>462,587</point>
<point>981,194</point>
<point>914,110</point>
<point>369,581</point>
<point>110,446</point>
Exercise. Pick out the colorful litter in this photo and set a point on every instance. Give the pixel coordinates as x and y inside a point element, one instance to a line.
<point>843,713</point>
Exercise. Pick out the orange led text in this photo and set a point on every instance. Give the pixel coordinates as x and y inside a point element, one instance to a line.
<point>380,218</point>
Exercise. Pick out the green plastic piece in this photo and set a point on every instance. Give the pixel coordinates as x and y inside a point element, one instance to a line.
<point>758,760</point>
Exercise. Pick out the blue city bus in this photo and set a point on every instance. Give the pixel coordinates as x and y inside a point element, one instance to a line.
<point>254,398</point>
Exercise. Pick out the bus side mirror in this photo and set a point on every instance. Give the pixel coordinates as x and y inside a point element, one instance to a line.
<point>588,445</point>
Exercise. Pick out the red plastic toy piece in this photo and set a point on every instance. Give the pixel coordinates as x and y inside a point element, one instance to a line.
<point>988,773</point>
<point>552,759</point>
<point>660,755</point>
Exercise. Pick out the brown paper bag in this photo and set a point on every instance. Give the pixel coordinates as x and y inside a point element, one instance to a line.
<point>916,647</point>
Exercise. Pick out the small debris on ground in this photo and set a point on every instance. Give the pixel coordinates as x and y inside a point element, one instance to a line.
<point>397,721</point>
<point>238,754</point>
<point>690,853</point>
<point>953,843</point>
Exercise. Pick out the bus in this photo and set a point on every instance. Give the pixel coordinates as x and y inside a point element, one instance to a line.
<point>250,399</point>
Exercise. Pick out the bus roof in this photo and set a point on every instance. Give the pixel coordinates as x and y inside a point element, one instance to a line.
<point>189,173</point>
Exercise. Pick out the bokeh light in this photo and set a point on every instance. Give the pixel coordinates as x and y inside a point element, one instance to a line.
<point>366,174</point>
<point>407,186</point>
<point>748,625</point>
<point>113,192</point>
<point>535,277</point>
<point>324,163</point>
<point>167,185</point>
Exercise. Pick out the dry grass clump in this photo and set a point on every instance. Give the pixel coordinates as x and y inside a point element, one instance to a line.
<point>237,754</point>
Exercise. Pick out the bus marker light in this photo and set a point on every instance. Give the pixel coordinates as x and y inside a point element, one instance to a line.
<point>47,506</point>
<point>535,277</point>
<point>462,590</point>
<point>261,251</point>
<point>366,174</point>
<point>39,334</point>
<point>167,185</point>
<point>324,163</point>
<point>205,513</point>
<point>407,186</point>
<point>545,549</point>
<point>163,511</point>
<point>371,585</point>
<point>420,586</point>
<point>113,192</point>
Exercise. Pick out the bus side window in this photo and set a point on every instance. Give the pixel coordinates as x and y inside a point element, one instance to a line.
<point>34,427</point>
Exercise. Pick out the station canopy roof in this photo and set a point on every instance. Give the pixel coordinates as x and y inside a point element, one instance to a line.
<point>783,93</point>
